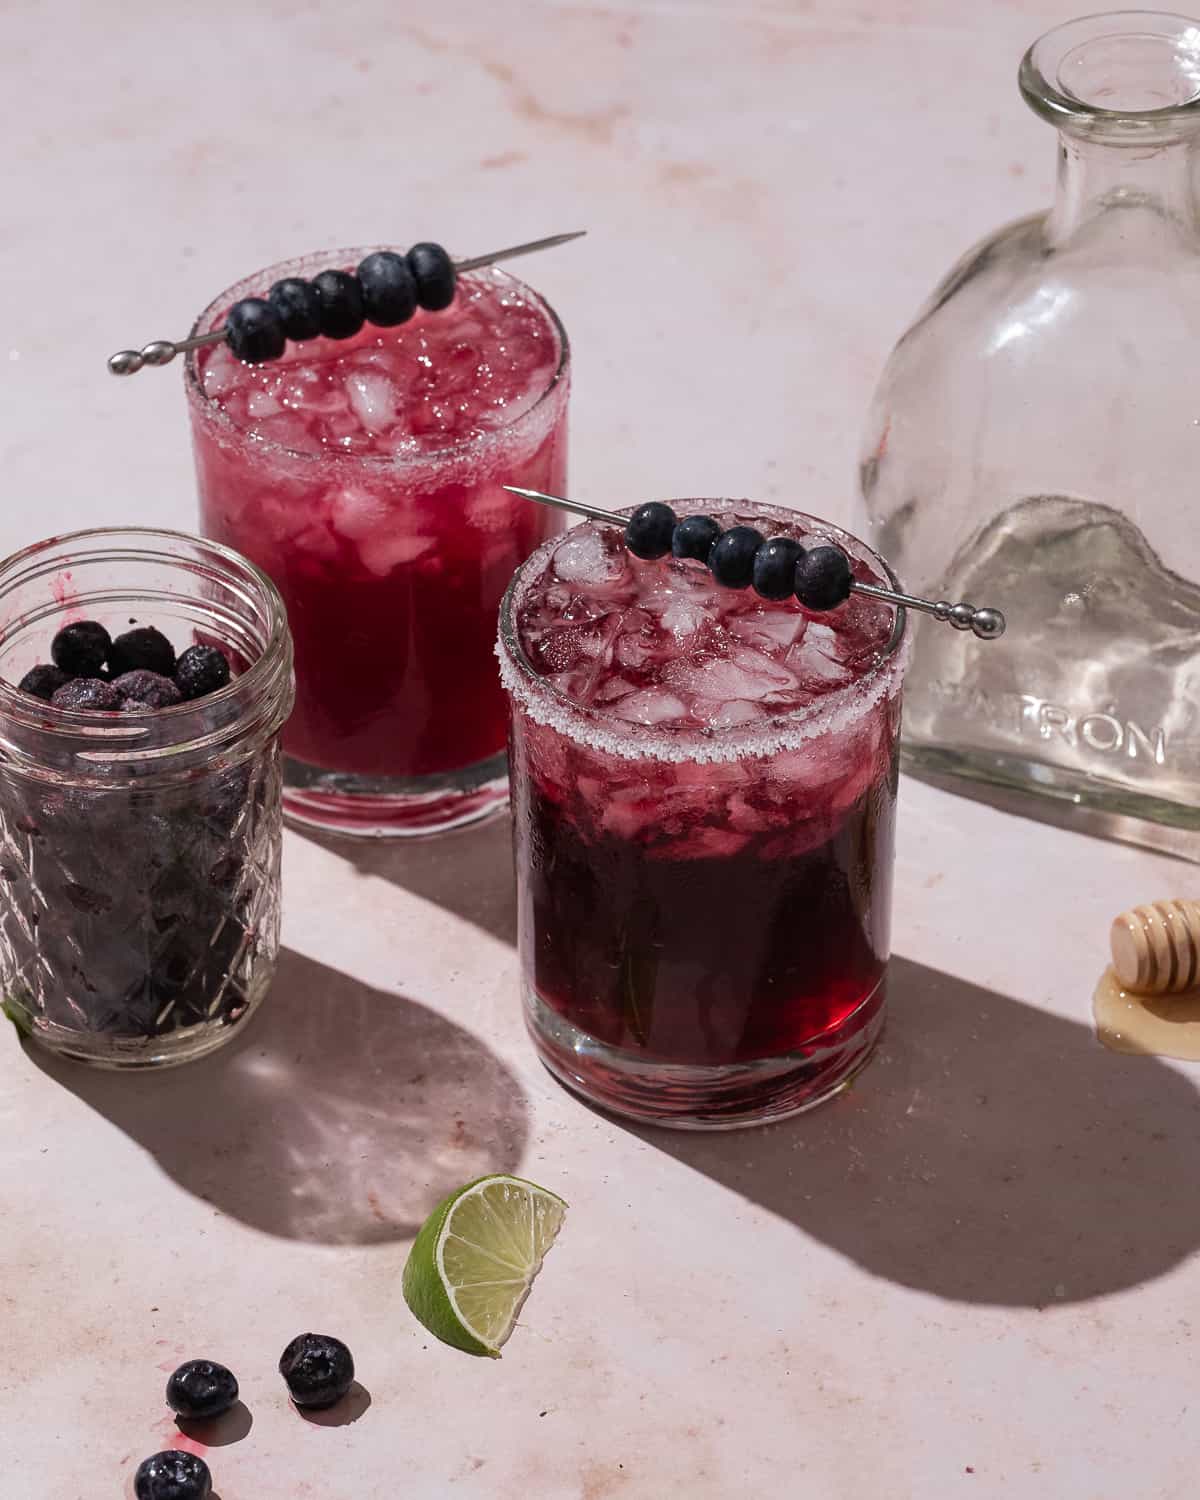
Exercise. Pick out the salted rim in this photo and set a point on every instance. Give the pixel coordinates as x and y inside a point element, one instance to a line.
<point>548,705</point>
<point>466,446</point>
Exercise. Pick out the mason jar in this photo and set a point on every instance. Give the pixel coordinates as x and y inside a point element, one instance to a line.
<point>139,853</point>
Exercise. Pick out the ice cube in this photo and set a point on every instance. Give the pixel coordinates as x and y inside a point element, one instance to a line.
<point>384,551</point>
<point>811,661</point>
<point>650,706</point>
<point>773,628</point>
<point>684,617</point>
<point>373,398</point>
<point>290,430</point>
<point>738,711</point>
<point>748,675</point>
<point>222,370</point>
<point>260,403</point>
<point>588,555</point>
<point>357,513</point>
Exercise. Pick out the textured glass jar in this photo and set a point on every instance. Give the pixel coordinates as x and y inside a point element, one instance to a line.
<point>139,853</point>
<point>1033,445</point>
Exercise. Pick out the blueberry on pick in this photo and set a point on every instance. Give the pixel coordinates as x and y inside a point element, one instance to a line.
<point>89,693</point>
<point>143,689</point>
<point>319,1370</point>
<point>649,530</point>
<point>143,649</point>
<point>775,567</point>
<point>201,1389</point>
<point>695,536</point>
<point>341,302</point>
<point>298,306</point>
<point>201,670</point>
<point>254,330</point>
<point>731,560</point>
<point>389,289</point>
<point>823,578</point>
<point>435,276</point>
<point>42,681</point>
<point>172,1475</point>
<point>79,650</point>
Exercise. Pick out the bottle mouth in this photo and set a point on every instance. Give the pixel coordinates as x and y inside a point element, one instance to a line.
<point>1131,75</point>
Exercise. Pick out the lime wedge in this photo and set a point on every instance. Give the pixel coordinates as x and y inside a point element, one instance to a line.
<point>474,1260</point>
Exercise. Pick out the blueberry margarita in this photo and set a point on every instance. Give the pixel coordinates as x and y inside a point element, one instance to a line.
<point>139,792</point>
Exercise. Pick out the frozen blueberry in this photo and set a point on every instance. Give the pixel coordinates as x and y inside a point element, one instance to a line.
<point>389,289</point>
<point>319,1370</point>
<point>88,692</point>
<point>298,306</point>
<point>435,276</point>
<point>144,649</point>
<point>144,689</point>
<point>200,1389</point>
<point>172,1475</point>
<point>255,330</point>
<point>42,681</point>
<point>649,530</point>
<point>822,578</point>
<point>341,302</point>
<point>732,558</point>
<point>775,567</point>
<point>201,670</point>
<point>80,650</point>
<point>695,536</point>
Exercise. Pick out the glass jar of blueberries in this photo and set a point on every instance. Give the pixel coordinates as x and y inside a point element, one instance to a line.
<point>139,792</point>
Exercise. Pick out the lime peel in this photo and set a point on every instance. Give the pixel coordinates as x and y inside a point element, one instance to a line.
<point>475,1258</point>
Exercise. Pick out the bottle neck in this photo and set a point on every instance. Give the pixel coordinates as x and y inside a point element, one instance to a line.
<point>1097,178</point>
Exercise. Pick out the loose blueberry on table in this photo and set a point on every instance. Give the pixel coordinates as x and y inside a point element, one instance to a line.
<point>126,894</point>
<point>172,1475</point>
<point>201,1389</point>
<point>318,1369</point>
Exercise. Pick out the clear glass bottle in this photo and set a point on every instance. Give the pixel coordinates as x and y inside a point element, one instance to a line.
<point>139,853</point>
<point>1033,445</point>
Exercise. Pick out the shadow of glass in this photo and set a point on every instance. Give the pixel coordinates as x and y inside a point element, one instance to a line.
<point>468,871</point>
<point>341,1116</point>
<point>991,1153</point>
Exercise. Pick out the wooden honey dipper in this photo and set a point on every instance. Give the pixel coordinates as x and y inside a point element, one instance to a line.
<point>1156,948</point>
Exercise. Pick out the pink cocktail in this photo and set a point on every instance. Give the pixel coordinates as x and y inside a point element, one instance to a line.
<point>704,787</point>
<point>364,476</point>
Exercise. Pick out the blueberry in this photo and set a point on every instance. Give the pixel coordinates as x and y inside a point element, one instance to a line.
<point>145,689</point>
<point>88,693</point>
<point>200,1389</point>
<point>145,649</point>
<point>298,306</point>
<point>79,650</point>
<point>201,670</point>
<point>255,330</point>
<point>435,276</point>
<point>775,567</point>
<point>822,578</point>
<point>695,536</point>
<point>173,1475</point>
<point>42,681</point>
<point>319,1370</point>
<point>389,289</point>
<point>732,559</point>
<point>649,530</point>
<point>341,302</point>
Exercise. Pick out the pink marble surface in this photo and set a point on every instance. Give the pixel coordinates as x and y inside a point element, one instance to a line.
<point>973,1274</point>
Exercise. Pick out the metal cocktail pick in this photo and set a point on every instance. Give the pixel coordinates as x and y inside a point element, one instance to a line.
<point>987,624</point>
<point>163,351</point>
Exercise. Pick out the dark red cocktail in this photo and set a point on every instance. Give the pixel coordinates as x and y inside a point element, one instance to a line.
<point>364,475</point>
<point>704,791</point>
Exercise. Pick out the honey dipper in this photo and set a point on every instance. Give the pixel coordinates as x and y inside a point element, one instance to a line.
<point>1156,948</point>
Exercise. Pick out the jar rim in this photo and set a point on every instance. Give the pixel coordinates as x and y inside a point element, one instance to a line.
<point>549,705</point>
<point>256,681</point>
<point>462,447</point>
<point>1167,42</point>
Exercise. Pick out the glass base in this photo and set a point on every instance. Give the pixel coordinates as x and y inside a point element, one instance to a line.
<point>101,1050</point>
<point>701,1097</point>
<point>1052,794</point>
<point>393,806</point>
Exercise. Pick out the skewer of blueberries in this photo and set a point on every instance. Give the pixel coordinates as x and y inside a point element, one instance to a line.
<point>385,290</point>
<point>777,567</point>
<point>136,672</point>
